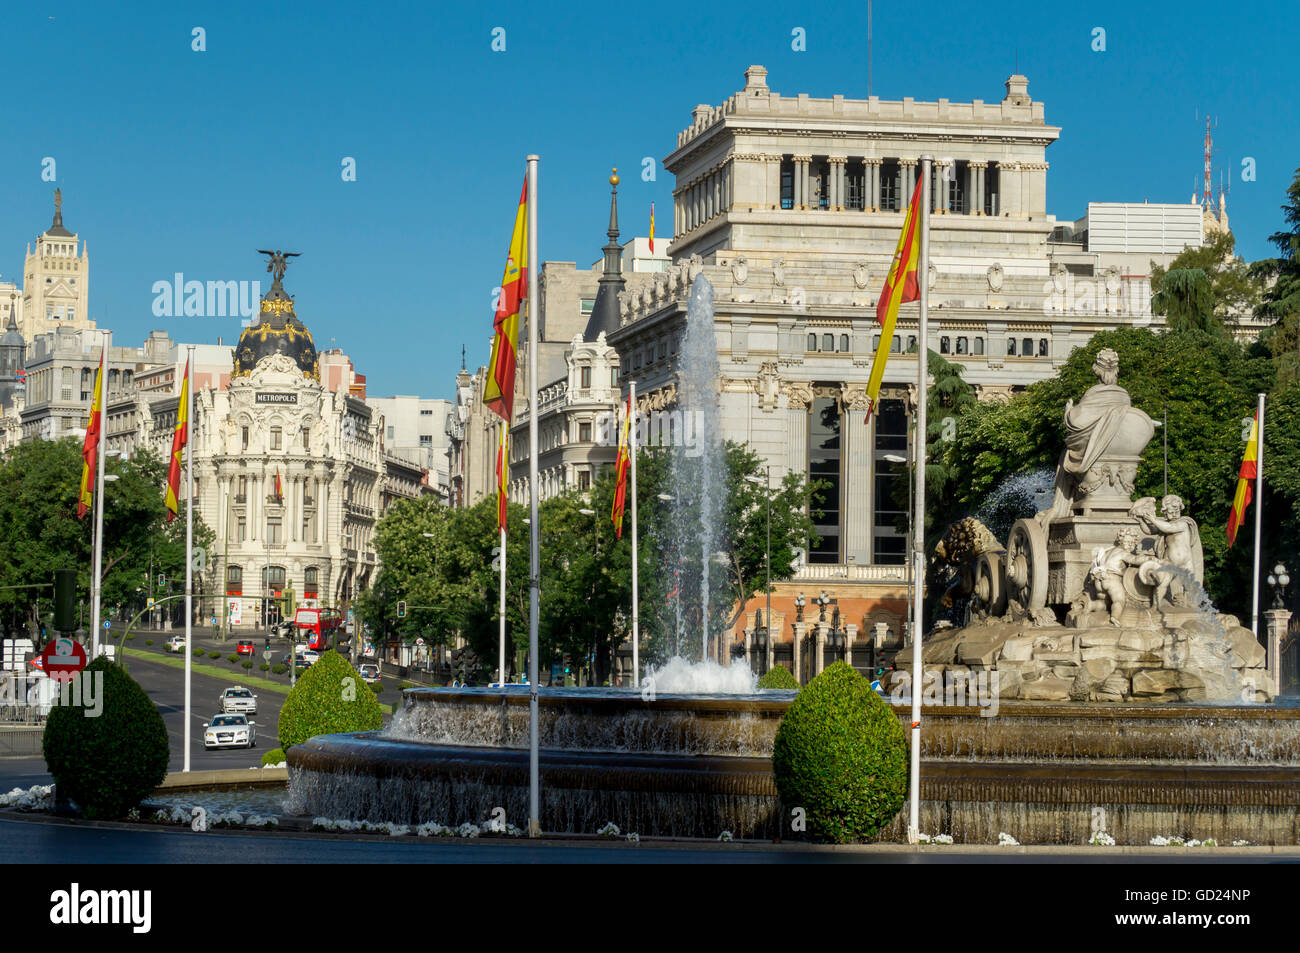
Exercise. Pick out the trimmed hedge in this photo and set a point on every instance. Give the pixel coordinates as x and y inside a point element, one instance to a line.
<point>274,756</point>
<point>778,677</point>
<point>278,669</point>
<point>199,653</point>
<point>110,762</point>
<point>841,754</point>
<point>214,655</point>
<point>330,698</point>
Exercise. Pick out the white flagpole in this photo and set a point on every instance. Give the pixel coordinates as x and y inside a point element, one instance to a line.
<point>636,594</point>
<point>505,469</point>
<point>189,542</point>
<point>95,580</point>
<point>918,517</point>
<point>1259,516</point>
<point>534,772</point>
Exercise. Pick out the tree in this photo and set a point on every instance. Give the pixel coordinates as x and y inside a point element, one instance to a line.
<point>1282,297</point>
<point>1186,300</point>
<point>1234,290</point>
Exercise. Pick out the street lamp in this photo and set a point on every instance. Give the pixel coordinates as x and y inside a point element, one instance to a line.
<point>767,559</point>
<point>1279,580</point>
<point>799,603</point>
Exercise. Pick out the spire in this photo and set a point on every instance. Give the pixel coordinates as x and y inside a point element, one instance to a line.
<point>57,228</point>
<point>604,311</point>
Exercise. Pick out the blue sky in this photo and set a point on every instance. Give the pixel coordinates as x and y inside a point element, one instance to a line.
<point>174,160</point>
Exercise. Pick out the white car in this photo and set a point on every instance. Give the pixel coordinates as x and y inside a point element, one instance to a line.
<point>229,731</point>
<point>238,699</point>
<point>175,644</point>
<point>369,673</point>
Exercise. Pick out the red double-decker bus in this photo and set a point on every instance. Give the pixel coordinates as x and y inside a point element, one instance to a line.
<point>317,625</point>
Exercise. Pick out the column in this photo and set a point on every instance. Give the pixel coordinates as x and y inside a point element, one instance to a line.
<point>819,659</point>
<point>939,194</point>
<point>1275,621</point>
<point>977,186</point>
<point>800,630</point>
<point>773,172</point>
<point>856,520</point>
<point>850,635</point>
<point>871,200</point>
<point>909,181</point>
<point>1009,188</point>
<point>801,181</point>
<point>724,649</point>
<point>708,198</point>
<point>677,215</point>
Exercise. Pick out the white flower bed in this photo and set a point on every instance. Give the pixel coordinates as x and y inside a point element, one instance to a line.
<point>634,837</point>
<point>36,798</point>
<point>609,830</point>
<point>1176,841</point>
<point>934,839</point>
<point>1101,839</point>
<point>726,836</point>
<point>1006,840</point>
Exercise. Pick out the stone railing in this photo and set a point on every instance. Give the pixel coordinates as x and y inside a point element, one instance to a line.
<point>878,573</point>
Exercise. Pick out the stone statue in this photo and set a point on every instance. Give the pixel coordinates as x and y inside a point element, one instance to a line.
<point>1107,573</point>
<point>276,263</point>
<point>1178,546</point>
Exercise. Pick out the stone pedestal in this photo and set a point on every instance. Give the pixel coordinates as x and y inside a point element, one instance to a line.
<point>800,632</point>
<point>819,664</point>
<point>880,634</point>
<point>1275,622</point>
<point>850,633</point>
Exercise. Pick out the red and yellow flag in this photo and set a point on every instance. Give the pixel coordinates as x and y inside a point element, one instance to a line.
<point>900,286</point>
<point>90,448</point>
<point>503,477</point>
<point>279,487</point>
<point>499,392</point>
<point>1245,482</point>
<point>652,228</point>
<point>620,471</point>
<point>180,436</point>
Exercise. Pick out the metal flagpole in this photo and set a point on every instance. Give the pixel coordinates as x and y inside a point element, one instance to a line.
<point>189,542</point>
<point>918,518</point>
<point>636,595</point>
<point>505,464</point>
<point>95,580</point>
<point>534,774</point>
<point>1259,516</point>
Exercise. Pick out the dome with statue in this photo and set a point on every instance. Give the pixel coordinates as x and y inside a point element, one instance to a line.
<point>277,329</point>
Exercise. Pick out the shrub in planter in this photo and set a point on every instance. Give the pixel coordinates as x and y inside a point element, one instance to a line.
<point>278,669</point>
<point>109,762</point>
<point>214,655</point>
<point>841,754</point>
<point>330,697</point>
<point>274,756</point>
<point>778,677</point>
<point>246,664</point>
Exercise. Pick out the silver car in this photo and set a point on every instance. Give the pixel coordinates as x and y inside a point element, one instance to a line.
<point>229,731</point>
<point>238,699</point>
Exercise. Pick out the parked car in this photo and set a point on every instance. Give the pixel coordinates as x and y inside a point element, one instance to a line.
<point>238,699</point>
<point>369,673</point>
<point>229,731</point>
<point>245,647</point>
<point>175,644</point>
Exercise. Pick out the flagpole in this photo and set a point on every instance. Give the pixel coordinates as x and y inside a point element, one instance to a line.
<point>534,773</point>
<point>505,464</point>
<point>918,517</point>
<point>189,543</point>
<point>95,581</point>
<point>1259,516</point>
<point>636,593</point>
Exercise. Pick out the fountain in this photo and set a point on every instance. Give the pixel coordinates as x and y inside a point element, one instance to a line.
<point>1126,704</point>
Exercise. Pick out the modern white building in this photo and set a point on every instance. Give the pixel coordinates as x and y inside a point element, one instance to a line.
<point>415,429</point>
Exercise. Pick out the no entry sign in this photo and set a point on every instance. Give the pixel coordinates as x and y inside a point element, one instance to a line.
<point>64,658</point>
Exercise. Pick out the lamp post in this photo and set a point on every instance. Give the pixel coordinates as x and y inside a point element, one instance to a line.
<point>591,670</point>
<point>767,559</point>
<point>1279,579</point>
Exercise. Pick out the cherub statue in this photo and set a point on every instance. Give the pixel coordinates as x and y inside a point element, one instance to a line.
<point>1178,544</point>
<point>1107,572</point>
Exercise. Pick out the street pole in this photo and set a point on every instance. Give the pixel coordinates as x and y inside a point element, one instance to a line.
<point>1259,512</point>
<point>768,617</point>
<point>918,524</point>
<point>636,594</point>
<point>95,579</point>
<point>505,469</point>
<point>534,772</point>
<point>188,386</point>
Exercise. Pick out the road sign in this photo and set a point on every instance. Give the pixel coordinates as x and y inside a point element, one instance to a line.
<point>63,658</point>
<point>419,641</point>
<point>267,655</point>
<point>149,603</point>
<point>107,623</point>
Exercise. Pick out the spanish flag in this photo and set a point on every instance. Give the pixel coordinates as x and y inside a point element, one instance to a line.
<point>1245,482</point>
<point>652,228</point>
<point>180,437</point>
<point>503,474</point>
<point>499,392</point>
<point>279,487</point>
<point>900,286</point>
<point>90,448</point>
<point>620,471</point>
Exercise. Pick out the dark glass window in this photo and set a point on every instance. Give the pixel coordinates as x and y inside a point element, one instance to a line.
<point>824,465</point>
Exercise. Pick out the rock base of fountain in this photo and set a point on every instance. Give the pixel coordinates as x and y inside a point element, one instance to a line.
<point>1176,659</point>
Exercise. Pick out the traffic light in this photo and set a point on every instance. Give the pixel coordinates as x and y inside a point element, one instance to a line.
<point>568,665</point>
<point>401,608</point>
<point>65,599</point>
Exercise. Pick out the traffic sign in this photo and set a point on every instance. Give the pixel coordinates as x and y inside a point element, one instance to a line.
<point>419,641</point>
<point>107,623</point>
<point>149,603</point>
<point>267,654</point>
<point>63,658</point>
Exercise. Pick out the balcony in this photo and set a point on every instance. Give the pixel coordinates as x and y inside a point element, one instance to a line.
<point>832,571</point>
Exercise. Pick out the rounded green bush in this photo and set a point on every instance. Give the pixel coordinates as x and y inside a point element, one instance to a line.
<point>214,655</point>
<point>279,669</point>
<point>330,698</point>
<point>148,641</point>
<point>232,658</point>
<point>263,667</point>
<point>130,636</point>
<point>199,653</point>
<point>377,687</point>
<point>274,756</point>
<point>841,755</point>
<point>778,677</point>
<point>246,664</point>
<point>110,761</point>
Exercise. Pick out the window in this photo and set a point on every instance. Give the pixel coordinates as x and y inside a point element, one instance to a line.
<point>234,580</point>
<point>426,440</point>
<point>306,438</point>
<point>588,304</point>
<point>241,529</point>
<point>275,438</point>
<point>787,188</point>
<point>274,575</point>
<point>812,342</point>
<point>584,479</point>
<point>613,377</point>
<point>245,438</point>
<point>844,343</point>
<point>979,345</point>
<point>584,433</point>
<point>585,372</point>
<point>945,345</point>
<point>425,412</point>
<point>896,345</point>
<point>273,530</point>
<point>390,431</point>
<point>824,464</point>
<point>828,342</point>
<point>875,343</point>
<point>963,346</point>
<point>1042,347</point>
<point>1011,347</point>
<point>1027,347</point>
<point>911,344</point>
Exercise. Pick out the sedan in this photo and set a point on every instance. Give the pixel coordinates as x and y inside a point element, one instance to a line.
<point>229,731</point>
<point>238,699</point>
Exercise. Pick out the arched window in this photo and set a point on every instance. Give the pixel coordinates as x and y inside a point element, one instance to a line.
<point>1042,347</point>
<point>979,345</point>
<point>844,342</point>
<point>1027,347</point>
<point>1011,347</point>
<point>963,346</point>
<point>945,345</point>
<point>896,345</point>
<point>812,342</point>
<point>875,342</point>
<point>911,344</point>
<point>828,342</point>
